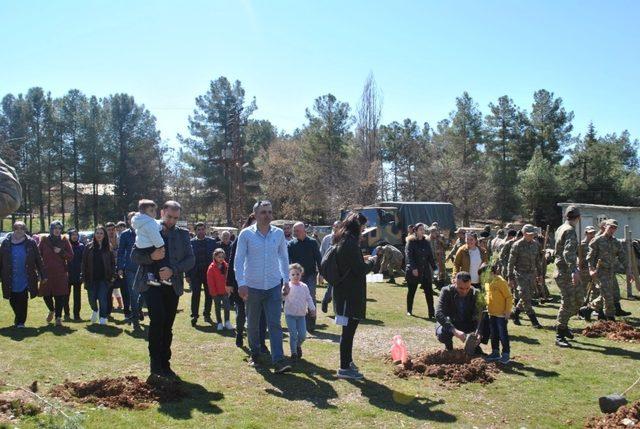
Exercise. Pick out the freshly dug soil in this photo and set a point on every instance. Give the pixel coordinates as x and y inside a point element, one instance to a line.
<point>626,417</point>
<point>123,392</point>
<point>17,403</point>
<point>450,366</point>
<point>618,331</point>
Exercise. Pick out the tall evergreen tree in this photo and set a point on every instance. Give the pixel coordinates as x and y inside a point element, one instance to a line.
<point>550,126</point>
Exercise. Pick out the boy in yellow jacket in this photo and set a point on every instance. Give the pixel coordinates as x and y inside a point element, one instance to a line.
<point>499,304</point>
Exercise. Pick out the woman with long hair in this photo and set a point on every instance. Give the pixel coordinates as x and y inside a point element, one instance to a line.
<point>350,295</point>
<point>98,268</point>
<point>420,266</point>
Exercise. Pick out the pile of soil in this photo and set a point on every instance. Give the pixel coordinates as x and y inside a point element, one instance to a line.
<point>450,366</point>
<point>618,331</point>
<point>123,392</point>
<point>626,417</point>
<point>17,403</point>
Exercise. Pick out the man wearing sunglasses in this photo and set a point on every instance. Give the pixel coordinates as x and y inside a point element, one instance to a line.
<point>261,266</point>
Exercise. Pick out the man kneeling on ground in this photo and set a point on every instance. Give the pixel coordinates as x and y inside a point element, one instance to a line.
<point>456,312</point>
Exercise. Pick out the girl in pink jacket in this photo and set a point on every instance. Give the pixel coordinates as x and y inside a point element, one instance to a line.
<point>296,304</point>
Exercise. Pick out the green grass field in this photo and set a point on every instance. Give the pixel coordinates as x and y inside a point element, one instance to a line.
<point>544,386</point>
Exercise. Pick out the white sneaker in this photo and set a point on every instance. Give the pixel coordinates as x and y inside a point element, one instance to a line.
<point>94,317</point>
<point>228,325</point>
<point>220,327</point>
<point>103,320</point>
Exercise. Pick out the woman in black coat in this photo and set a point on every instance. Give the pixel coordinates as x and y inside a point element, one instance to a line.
<point>420,267</point>
<point>350,296</point>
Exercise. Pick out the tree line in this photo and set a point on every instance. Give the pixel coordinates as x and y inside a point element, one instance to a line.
<point>500,164</point>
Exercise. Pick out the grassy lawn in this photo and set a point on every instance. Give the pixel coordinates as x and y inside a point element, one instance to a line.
<point>544,387</point>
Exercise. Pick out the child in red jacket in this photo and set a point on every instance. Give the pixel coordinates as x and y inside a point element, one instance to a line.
<point>217,281</point>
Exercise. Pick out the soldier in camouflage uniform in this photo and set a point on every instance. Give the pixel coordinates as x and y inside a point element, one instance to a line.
<point>436,240</point>
<point>523,272</point>
<point>586,287</point>
<point>390,260</point>
<point>460,233</point>
<point>567,275</point>
<point>542,291</point>
<point>622,269</point>
<point>604,258</point>
<point>505,249</point>
<point>10,190</point>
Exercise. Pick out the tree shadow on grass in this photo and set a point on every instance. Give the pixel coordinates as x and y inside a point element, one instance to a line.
<point>380,396</point>
<point>310,387</point>
<point>327,336</point>
<point>19,334</point>
<point>198,398</point>
<point>605,350</point>
<point>518,368</point>
<point>523,339</point>
<point>106,330</point>
<point>211,329</point>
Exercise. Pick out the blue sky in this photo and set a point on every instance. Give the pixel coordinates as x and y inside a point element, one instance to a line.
<point>286,53</point>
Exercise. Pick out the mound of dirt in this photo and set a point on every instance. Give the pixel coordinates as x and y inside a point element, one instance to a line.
<point>618,331</point>
<point>123,392</point>
<point>17,403</point>
<point>626,417</point>
<point>450,366</point>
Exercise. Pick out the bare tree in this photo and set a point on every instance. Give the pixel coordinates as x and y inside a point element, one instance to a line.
<point>369,114</point>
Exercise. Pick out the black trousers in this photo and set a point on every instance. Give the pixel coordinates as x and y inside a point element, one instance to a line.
<point>19,303</point>
<point>241,315</point>
<point>197,285</point>
<point>162,304</point>
<point>56,304</point>
<point>75,289</point>
<point>427,286</point>
<point>346,343</point>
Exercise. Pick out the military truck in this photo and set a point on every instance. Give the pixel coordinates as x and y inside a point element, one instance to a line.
<point>388,221</point>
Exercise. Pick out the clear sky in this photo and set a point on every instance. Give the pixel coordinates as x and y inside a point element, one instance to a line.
<point>286,53</point>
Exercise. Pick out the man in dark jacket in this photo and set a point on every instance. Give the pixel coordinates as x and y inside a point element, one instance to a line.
<point>456,312</point>
<point>127,271</point>
<point>162,301</point>
<point>305,251</point>
<point>20,281</point>
<point>203,248</point>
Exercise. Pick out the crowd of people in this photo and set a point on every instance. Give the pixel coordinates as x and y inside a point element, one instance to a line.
<point>267,271</point>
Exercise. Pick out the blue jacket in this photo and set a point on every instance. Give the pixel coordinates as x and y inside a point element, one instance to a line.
<point>203,254</point>
<point>124,262</point>
<point>75,266</point>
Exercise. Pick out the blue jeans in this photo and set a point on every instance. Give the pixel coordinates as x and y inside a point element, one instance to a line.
<point>135,299</point>
<point>499,334</point>
<point>99,297</point>
<point>268,301</point>
<point>297,326</point>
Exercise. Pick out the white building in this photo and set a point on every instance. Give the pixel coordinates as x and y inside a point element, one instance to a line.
<point>593,214</point>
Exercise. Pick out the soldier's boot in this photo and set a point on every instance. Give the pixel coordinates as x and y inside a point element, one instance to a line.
<point>568,333</point>
<point>611,318</point>
<point>620,311</point>
<point>601,315</point>
<point>561,340</point>
<point>392,280</point>
<point>534,321</point>
<point>585,313</point>
<point>515,316</point>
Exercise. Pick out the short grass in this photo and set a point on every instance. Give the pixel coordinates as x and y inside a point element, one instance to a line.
<point>544,387</point>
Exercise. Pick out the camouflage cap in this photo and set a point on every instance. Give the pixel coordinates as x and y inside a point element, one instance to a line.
<point>611,222</point>
<point>572,212</point>
<point>528,229</point>
<point>590,229</point>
